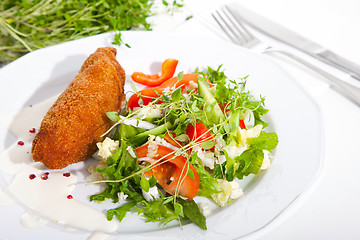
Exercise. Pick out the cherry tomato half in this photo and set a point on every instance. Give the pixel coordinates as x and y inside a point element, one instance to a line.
<point>172,173</point>
<point>199,133</point>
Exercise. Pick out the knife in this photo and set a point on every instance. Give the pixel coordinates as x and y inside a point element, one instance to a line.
<point>294,40</point>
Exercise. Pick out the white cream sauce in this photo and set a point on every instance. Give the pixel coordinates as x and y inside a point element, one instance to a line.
<point>51,200</point>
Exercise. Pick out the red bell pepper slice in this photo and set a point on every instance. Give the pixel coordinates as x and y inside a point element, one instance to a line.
<point>149,93</point>
<point>186,79</point>
<point>173,171</point>
<point>146,95</point>
<point>168,70</point>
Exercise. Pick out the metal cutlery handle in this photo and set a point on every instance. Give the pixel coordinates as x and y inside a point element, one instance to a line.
<point>293,39</point>
<point>339,62</point>
<point>346,89</point>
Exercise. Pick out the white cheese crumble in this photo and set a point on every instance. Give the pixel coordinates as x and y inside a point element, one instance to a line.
<point>152,147</point>
<point>231,191</point>
<point>204,208</point>
<point>154,142</point>
<point>266,162</point>
<point>163,142</point>
<point>152,194</point>
<point>191,86</point>
<point>207,161</point>
<point>122,197</point>
<point>131,151</point>
<point>221,159</point>
<point>107,147</point>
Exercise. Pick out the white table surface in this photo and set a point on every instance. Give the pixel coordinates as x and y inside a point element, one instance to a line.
<point>331,209</point>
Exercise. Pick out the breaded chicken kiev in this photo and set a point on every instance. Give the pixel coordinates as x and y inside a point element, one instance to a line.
<point>75,122</point>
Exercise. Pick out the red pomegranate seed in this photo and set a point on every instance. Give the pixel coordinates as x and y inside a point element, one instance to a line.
<point>20,143</point>
<point>69,197</point>
<point>32,130</point>
<point>45,176</point>
<point>66,174</point>
<point>32,176</point>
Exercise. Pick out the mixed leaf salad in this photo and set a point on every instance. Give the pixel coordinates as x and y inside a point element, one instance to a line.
<point>191,135</point>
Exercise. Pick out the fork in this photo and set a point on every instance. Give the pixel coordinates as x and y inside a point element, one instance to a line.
<point>232,26</point>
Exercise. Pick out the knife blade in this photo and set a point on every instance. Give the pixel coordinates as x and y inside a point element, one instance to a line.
<point>293,39</point>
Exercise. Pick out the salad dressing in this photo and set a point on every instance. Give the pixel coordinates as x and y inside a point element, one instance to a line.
<point>42,193</point>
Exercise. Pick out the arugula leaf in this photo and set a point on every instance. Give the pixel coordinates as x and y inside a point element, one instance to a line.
<point>120,212</point>
<point>192,212</point>
<point>126,132</point>
<point>120,164</point>
<point>157,211</point>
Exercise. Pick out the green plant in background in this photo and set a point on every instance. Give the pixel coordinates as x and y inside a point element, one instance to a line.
<point>26,25</point>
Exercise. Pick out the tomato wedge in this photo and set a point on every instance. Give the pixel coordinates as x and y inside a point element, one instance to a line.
<point>199,133</point>
<point>168,70</point>
<point>171,140</point>
<point>173,171</point>
<point>242,124</point>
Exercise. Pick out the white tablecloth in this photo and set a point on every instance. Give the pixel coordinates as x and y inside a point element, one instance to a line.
<point>331,210</point>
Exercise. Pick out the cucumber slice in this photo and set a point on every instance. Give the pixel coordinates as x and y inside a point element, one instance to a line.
<point>215,114</point>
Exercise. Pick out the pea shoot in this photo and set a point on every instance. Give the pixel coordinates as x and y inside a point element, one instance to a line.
<point>27,25</point>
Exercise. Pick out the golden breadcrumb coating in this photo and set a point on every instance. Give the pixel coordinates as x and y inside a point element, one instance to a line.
<point>73,125</point>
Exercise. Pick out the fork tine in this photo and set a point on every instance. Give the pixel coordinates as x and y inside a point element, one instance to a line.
<point>243,30</point>
<point>226,28</point>
<point>233,28</point>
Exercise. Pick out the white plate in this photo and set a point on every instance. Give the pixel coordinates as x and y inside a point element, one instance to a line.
<point>293,116</point>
